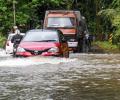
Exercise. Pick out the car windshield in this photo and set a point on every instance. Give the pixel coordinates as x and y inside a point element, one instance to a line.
<point>41,36</point>
<point>64,22</point>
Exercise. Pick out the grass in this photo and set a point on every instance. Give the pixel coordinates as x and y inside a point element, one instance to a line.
<point>2,41</point>
<point>107,47</point>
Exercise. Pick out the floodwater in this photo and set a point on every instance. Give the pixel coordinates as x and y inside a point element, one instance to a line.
<point>80,77</point>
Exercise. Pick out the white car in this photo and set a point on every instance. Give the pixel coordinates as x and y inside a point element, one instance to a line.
<point>9,44</point>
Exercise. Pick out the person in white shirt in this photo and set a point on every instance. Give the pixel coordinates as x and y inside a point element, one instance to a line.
<point>16,30</point>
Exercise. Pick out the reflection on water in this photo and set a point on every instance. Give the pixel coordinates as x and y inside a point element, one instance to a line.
<point>81,77</point>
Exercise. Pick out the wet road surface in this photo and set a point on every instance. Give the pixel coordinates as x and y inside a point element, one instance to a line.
<point>81,77</point>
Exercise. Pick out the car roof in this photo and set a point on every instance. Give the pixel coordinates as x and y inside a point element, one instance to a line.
<point>42,30</point>
<point>11,34</point>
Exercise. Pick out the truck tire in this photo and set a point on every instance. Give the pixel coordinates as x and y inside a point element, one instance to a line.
<point>80,46</point>
<point>87,46</point>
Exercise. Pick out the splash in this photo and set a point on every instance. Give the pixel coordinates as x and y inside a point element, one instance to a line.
<point>23,62</point>
<point>3,53</point>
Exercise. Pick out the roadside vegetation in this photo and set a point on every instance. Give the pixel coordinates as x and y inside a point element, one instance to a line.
<point>102,16</point>
<point>106,47</point>
<point>2,41</point>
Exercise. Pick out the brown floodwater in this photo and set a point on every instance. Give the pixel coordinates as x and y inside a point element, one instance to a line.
<point>81,77</point>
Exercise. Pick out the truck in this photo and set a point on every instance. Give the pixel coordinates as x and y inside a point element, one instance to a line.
<point>71,23</point>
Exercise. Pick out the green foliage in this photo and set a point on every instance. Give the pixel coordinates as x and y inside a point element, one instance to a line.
<point>2,40</point>
<point>107,47</point>
<point>30,12</point>
<point>112,15</point>
<point>116,3</point>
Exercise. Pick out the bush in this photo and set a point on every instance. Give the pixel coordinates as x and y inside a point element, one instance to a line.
<point>108,47</point>
<point>2,41</point>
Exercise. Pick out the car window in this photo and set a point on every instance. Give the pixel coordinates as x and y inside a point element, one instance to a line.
<point>41,36</point>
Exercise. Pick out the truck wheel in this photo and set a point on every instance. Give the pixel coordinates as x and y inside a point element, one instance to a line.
<point>80,46</point>
<point>87,46</point>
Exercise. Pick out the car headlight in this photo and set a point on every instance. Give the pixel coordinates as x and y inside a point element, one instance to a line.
<point>54,49</point>
<point>20,49</point>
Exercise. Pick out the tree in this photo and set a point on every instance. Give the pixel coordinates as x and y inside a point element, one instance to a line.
<point>29,13</point>
<point>111,16</point>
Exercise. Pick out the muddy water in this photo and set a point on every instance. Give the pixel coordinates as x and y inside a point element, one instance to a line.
<point>81,77</point>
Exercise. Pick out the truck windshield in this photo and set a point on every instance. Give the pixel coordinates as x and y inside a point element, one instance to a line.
<point>64,22</point>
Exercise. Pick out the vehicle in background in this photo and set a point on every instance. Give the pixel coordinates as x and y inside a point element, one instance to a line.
<point>9,44</point>
<point>43,42</point>
<point>71,23</point>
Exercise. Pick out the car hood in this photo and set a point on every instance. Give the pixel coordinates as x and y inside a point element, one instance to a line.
<point>38,45</point>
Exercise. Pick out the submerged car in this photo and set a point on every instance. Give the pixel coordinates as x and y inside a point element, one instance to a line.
<point>43,42</point>
<point>9,44</point>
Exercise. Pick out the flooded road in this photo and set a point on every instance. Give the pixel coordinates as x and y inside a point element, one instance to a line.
<point>81,77</point>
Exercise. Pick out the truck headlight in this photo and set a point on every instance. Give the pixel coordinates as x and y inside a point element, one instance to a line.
<point>53,50</point>
<point>20,49</point>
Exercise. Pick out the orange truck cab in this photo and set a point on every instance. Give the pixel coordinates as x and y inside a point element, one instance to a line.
<point>67,21</point>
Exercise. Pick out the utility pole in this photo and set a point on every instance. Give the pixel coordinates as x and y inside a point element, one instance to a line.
<point>68,7</point>
<point>14,13</point>
<point>76,4</point>
<point>97,17</point>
